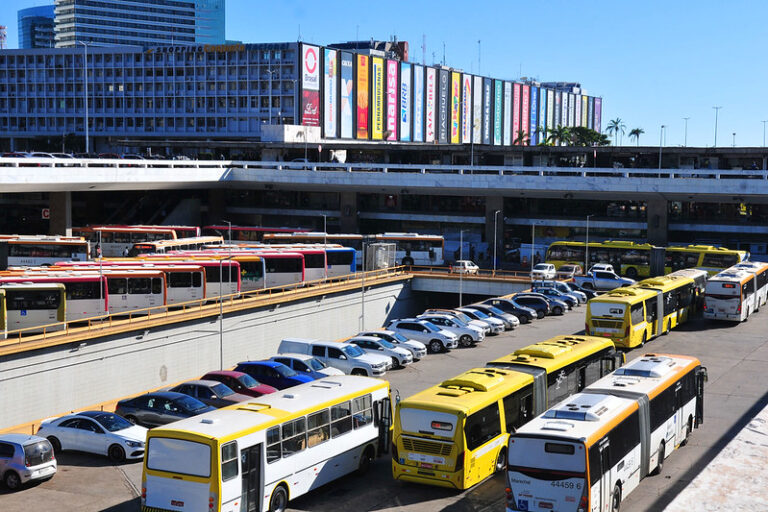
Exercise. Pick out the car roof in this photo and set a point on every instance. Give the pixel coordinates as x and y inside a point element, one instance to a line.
<point>291,355</point>
<point>381,331</point>
<point>21,439</point>
<point>271,364</point>
<point>200,382</point>
<point>363,338</point>
<point>91,414</point>
<point>226,373</point>
<point>171,395</point>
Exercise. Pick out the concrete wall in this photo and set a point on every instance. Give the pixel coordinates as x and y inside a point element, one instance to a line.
<point>51,382</point>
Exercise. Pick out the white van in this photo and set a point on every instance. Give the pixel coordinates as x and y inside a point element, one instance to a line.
<point>350,359</point>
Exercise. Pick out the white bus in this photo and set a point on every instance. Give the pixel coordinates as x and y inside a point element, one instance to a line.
<point>760,269</point>
<point>86,294</point>
<point>32,305</point>
<point>731,295</point>
<point>33,250</point>
<point>256,455</point>
<point>591,450</point>
<point>415,249</point>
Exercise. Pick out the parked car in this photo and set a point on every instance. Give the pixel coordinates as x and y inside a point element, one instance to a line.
<point>16,154</point>
<point>24,458</point>
<point>605,267</point>
<point>350,359</point>
<point>543,271</point>
<point>554,306</point>
<point>160,408</point>
<point>307,364</point>
<point>273,373</point>
<point>99,432</point>
<point>484,326</point>
<point>551,292</point>
<point>435,338</point>
<point>602,280</point>
<point>240,382</point>
<point>210,392</point>
<point>468,334</point>
<point>497,326</point>
<point>568,271</point>
<point>562,287</point>
<point>373,345</point>
<point>591,294</point>
<point>464,267</point>
<point>417,348</point>
<point>523,313</point>
<point>510,320</point>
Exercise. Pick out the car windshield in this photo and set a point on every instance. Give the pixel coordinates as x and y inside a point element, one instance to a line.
<point>541,266</point>
<point>190,404</point>
<point>316,364</point>
<point>479,314</point>
<point>495,310</point>
<point>432,327</point>
<point>112,422</point>
<point>222,390</point>
<point>399,337</point>
<point>567,268</point>
<point>248,381</point>
<point>285,371</point>
<point>353,351</point>
<point>384,343</point>
<point>458,321</point>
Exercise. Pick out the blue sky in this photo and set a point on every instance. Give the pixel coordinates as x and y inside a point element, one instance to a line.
<point>653,62</point>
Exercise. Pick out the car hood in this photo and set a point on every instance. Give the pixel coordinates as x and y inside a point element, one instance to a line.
<point>374,358</point>
<point>301,377</point>
<point>263,389</point>
<point>237,397</point>
<point>414,344</point>
<point>330,372</point>
<point>133,433</point>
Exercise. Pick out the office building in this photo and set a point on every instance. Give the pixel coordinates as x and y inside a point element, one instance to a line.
<point>36,27</point>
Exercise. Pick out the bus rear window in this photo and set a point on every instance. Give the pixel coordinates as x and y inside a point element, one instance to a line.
<point>179,456</point>
<point>564,449</point>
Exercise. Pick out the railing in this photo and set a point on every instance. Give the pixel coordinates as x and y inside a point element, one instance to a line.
<point>512,275</point>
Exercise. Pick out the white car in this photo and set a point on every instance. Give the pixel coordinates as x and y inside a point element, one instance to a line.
<point>100,432</point>
<point>306,364</point>
<point>484,326</point>
<point>417,348</point>
<point>468,334</point>
<point>401,357</point>
<point>497,326</point>
<point>435,338</point>
<point>543,271</point>
<point>464,267</point>
<point>602,267</point>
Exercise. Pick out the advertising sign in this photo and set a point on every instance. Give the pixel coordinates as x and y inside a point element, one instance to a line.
<point>487,111</point>
<point>466,109</point>
<point>584,108</point>
<point>393,105</point>
<point>455,107</point>
<point>418,103</point>
<point>525,112</point>
<point>598,114</point>
<point>405,102</point>
<point>571,110</point>
<point>330,93</point>
<point>558,109</point>
<point>591,113</point>
<point>443,110</point>
<point>498,110</point>
<point>363,95</point>
<point>347,94</point>
<point>577,105</point>
<point>542,137</point>
<point>551,109</point>
<point>507,113</point>
<point>534,126</point>
<point>431,101</point>
<point>515,111</point>
<point>377,98</point>
<point>564,109</point>
<point>477,110</point>
<point>310,85</point>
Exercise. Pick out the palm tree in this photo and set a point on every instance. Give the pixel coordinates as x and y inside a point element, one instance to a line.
<point>521,139</point>
<point>543,131</point>
<point>560,134</point>
<point>636,133</point>
<point>616,126</point>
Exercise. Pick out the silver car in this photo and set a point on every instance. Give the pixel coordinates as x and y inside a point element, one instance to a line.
<point>24,458</point>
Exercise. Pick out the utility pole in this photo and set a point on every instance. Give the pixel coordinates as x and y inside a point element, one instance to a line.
<point>717,109</point>
<point>685,140</point>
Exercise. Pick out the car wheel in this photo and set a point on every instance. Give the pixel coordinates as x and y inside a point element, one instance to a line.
<point>359,371</point>
<point>279,500</point>
<point>396,363</point>
<point>12,481</point>
<point>55,444</point>
<point>435,346</point>
<point>116,453</point>
<point>541,314</point>
<point>465,340</point>
<point>557,310</point>
<point>524,319</point>
<point>588,286</point>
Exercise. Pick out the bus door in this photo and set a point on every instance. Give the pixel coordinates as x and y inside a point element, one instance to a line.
<point>701,378</point>
<point>252,480</point>
<point>383,418</point>
<point>654,314</point>
<point>606,489</point>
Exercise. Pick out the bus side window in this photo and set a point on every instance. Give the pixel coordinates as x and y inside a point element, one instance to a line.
<point>636,313</point>
<point>482,426</point>
<point>341,418</point>
<point>650,309</point>
<point>362,412</point>
<point>517,408</point>
<point>229,461</point>
<point>157,286</point>
<point>294,437</point>
<point>273,444</point>
<point>318,428</point>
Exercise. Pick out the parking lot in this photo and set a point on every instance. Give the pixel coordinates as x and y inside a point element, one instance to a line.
<point>735,356</point>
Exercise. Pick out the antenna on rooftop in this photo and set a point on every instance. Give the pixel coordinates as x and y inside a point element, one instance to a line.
<point>423,49</point>
<point>443,53</point>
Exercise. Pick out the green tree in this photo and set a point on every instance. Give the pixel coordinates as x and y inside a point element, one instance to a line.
<point>616,127</point>
<point>636,133</point>
<point>521,139</point>
<point>581,136</point>
<point>543,139</point>
<point>560,135</point>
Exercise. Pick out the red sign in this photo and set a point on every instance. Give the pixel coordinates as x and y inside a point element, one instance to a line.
<point>45,213</point>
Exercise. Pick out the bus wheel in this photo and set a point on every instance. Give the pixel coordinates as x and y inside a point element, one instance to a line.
<point>408,261</point>
<point>366,459</point>
<point>666,331</point>
<point>501,460</point>
<point>687,431</point>
<point>644,340</point>
<point>616,499</point>
<point>632,273</point>
<point>660,463</point>
<point>279,500</point>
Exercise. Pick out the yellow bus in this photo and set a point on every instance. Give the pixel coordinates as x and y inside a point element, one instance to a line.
<point>259,454</point>
<point>455,434</point>
<point>634,260</point>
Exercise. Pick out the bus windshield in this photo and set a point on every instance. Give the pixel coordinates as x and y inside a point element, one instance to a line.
<point>179,456</point>
<point>609,309</point>
<point>422,421</point>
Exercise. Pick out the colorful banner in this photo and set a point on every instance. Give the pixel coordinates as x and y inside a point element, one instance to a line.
<point>577,105</point>
<point>571,110</point>
<point>598,114</point>
<point>534,126</point>
<point>516,100</point>
<point>377,98</point>
<point>542,115</point>
<point>310,85</point>
<point>405,102</point>
<point>507,113</point>
<point>584,109</point>
<point>393,105</point>
<point>487,111</point>
<point>525,113</point>
<point>431,99</point>
<point>477,110</point>
<point>498,93</point>
<point>330,93</point>
<point>558,109</point>
<point>551,107</point>
<point>455,107</point>
<point>347,94</point>
<point>443,111</point>
<point>564,109</point>
<point>591,113</point>
<point>418,103</point>
<point>466,109</point>
<point>363,96</point>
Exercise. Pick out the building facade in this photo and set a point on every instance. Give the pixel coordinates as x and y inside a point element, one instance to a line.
<point>141,23</point>
<point>36,27</point>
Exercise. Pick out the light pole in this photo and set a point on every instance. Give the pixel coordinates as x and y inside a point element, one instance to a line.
<point>271,72</point>
<point>734,139</point>
<point>229,230</point>
<point>362,292</point>
<point>764,131</point>
<point>661,135</point>
<point>221,311</point>
<point>461,273</point>
<point>586,245</point>
<point>325,242</point>
<point>685,139</point>
<point>717,109</point>
<point>533,244</point>
<point>85,80</point>
<point>495,230</point>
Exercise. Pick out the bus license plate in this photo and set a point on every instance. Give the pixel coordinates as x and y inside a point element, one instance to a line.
<point>427,465</point>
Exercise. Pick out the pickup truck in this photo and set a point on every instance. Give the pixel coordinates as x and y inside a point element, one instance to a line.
<point>602,280</point>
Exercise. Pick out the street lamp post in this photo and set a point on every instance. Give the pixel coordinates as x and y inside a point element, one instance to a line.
<point>717,109</point>
<point>734,139</point>
<point>325,242</point>
<point>586,245</point>
<point>766,121</point>
<point>661,135</point>
<point>221,312</point>
<point>271,73</point>
<point>461,273</point>
<point>85,80</point>
<point>495,230</point>
<point>685,139</point>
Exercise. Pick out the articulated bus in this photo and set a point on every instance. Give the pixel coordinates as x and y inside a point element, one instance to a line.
<point>246,233</point>
<point>415,249</point>
<point>181,244</point>
<point>86,295</point>
<point>41,250</point>
<point>257,455</point>
<point>590,451</point>
<point>30,305</point>
<point>118,240</point>
<point>346,240</point>
<point>455,434</point>
<point>339,261</point>
<point>634,260</point>
<point>633,315</point>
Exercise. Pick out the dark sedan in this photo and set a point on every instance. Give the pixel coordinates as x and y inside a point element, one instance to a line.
<point>210,392</point>
<point>240,382</point>
<point>160,408</point>
<point>551,292</point>
<point>539,303</point>
<point>524,313</point>
<point>275,374</point>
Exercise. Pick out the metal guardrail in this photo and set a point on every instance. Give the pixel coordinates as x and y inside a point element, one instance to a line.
<point>427,271</point>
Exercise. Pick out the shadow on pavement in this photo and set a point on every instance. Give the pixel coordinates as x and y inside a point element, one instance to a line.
<point>88,460</point>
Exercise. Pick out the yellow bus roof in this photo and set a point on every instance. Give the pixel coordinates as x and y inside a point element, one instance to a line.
<point>627,294</point>
<point>469,391</point>
<point>663,283</point>
<point>555,353</point>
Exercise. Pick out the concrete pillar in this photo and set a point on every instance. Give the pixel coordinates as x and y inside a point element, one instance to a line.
<point>217,205</point>
<point>60,206</point>
<point>348,220</point>
<point>657,221</point>
<point>493,204</point>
